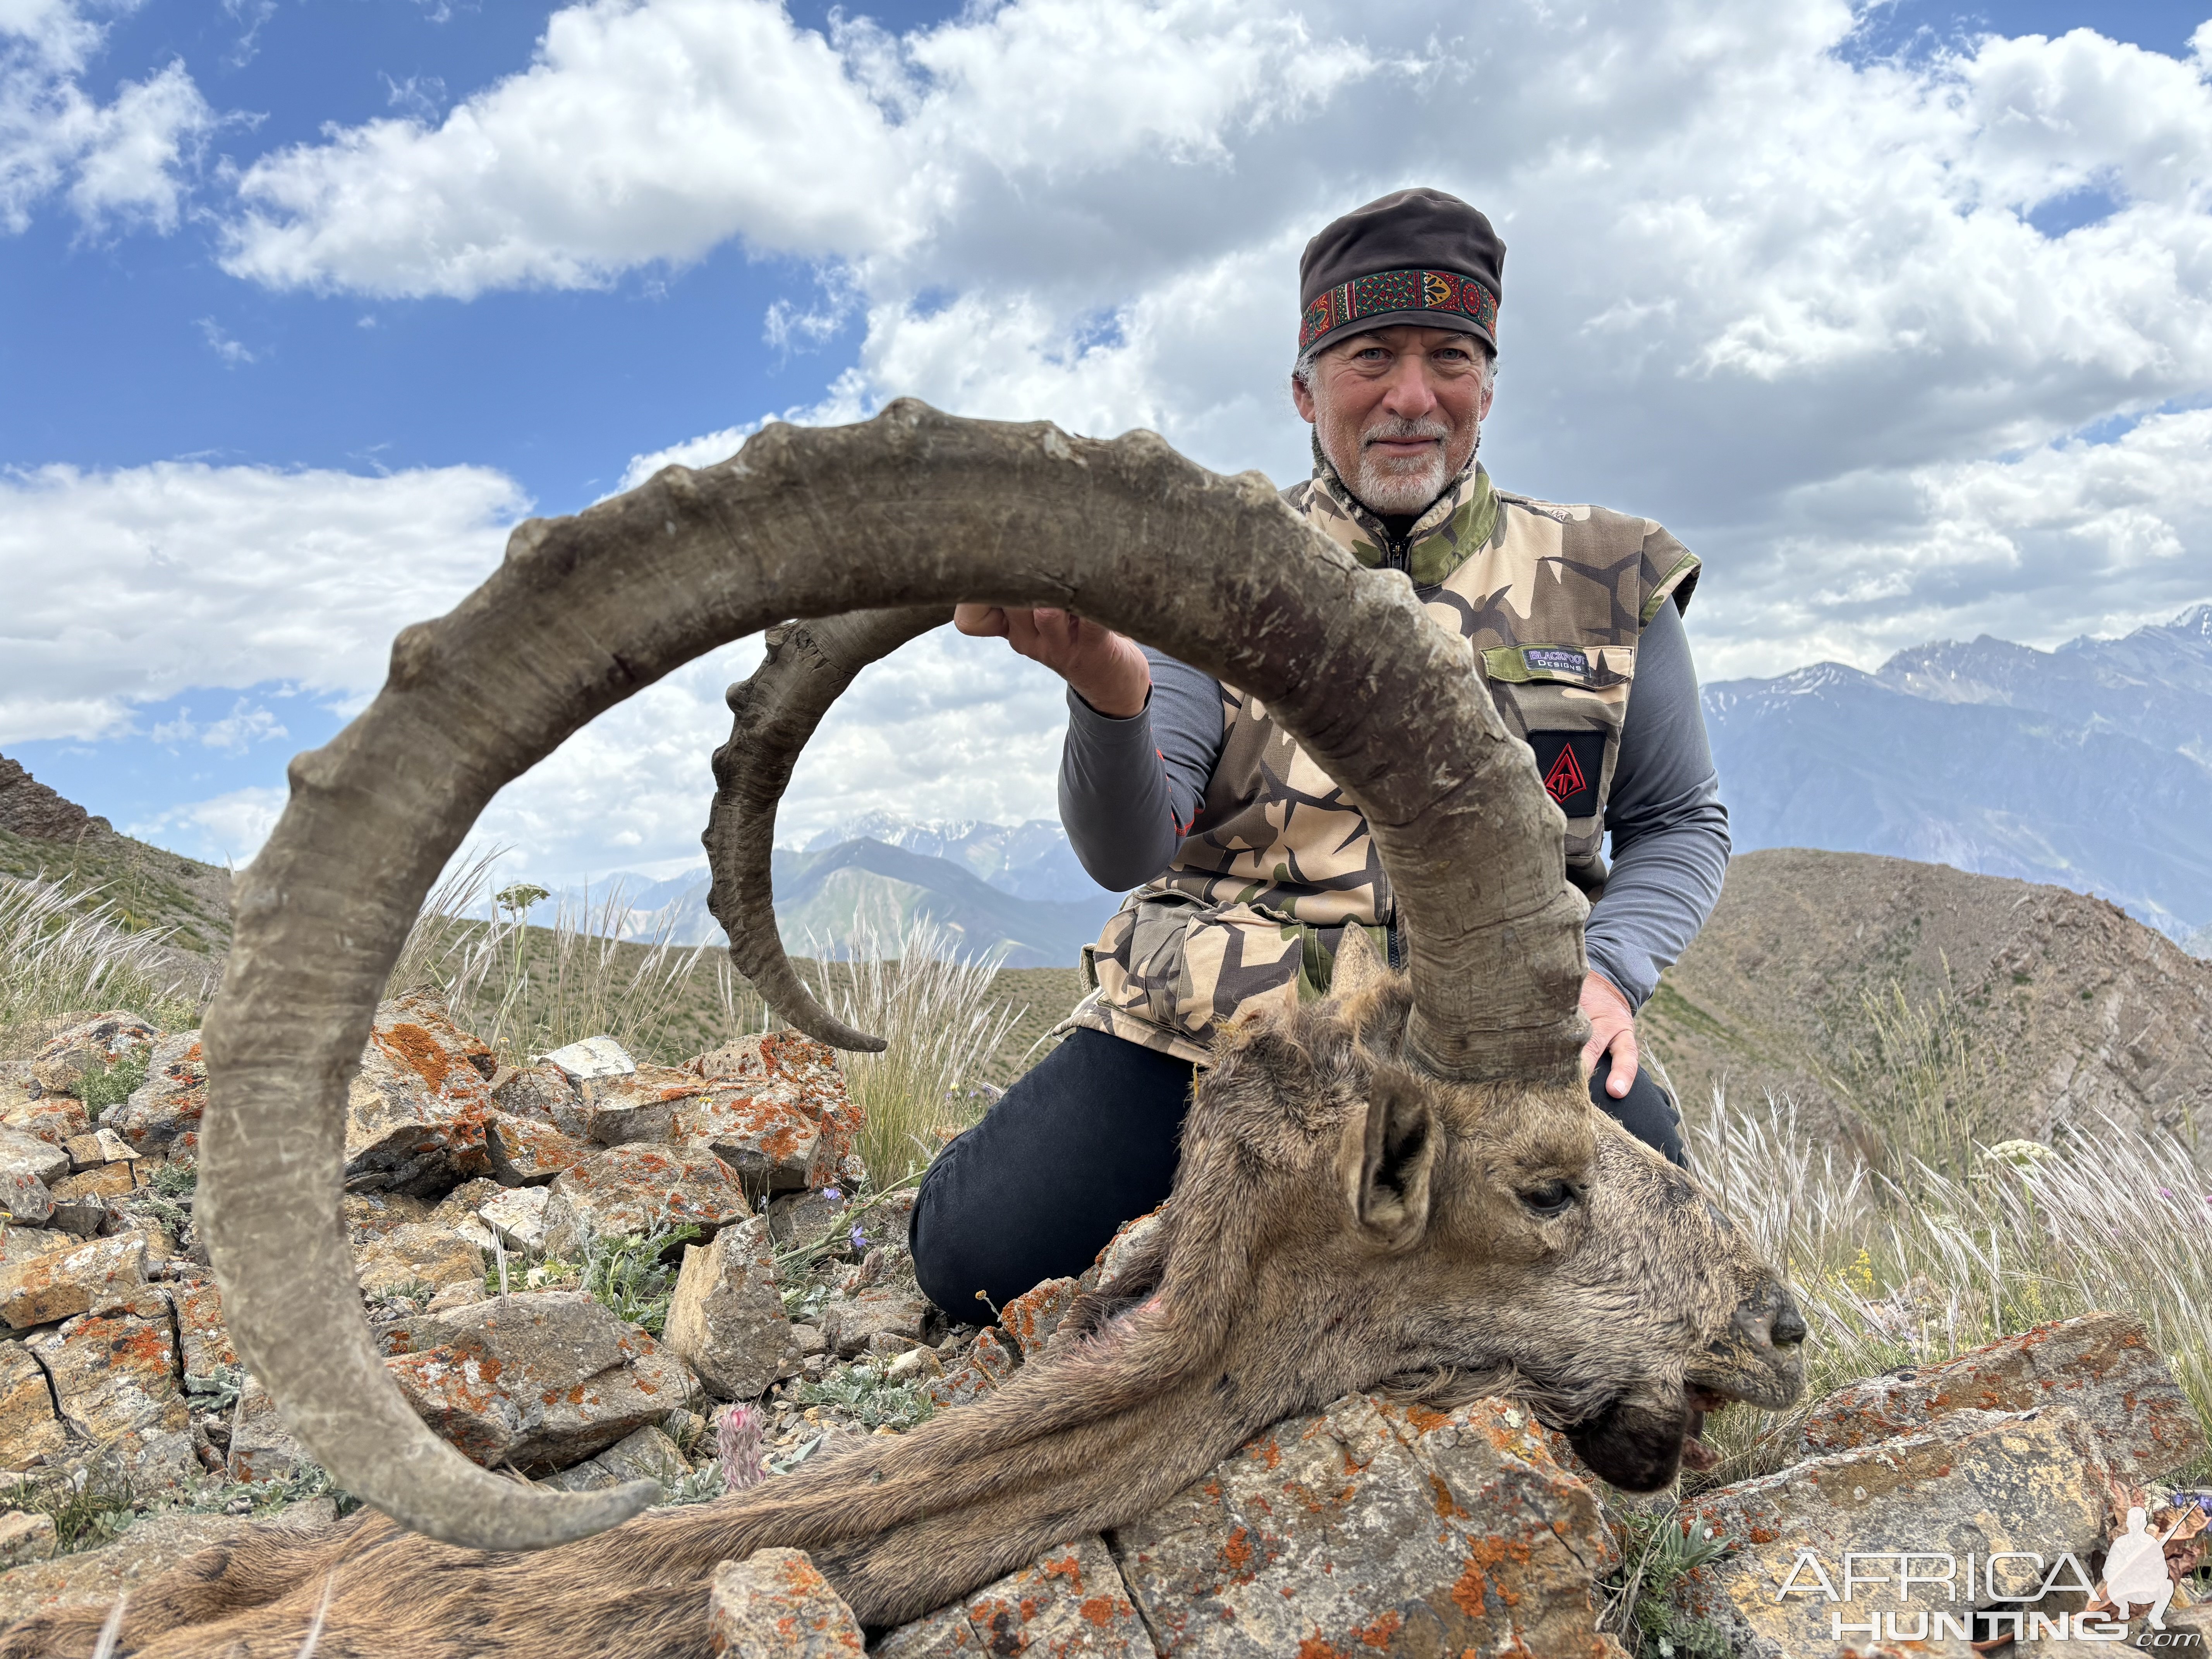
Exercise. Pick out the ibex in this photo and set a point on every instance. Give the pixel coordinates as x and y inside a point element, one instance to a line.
<point>1403,1182</point>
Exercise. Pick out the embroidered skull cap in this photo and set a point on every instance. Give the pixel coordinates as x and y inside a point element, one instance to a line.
<point>1421,257</point>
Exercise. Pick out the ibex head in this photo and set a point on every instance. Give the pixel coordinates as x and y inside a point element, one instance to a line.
<point>1406,1178</point>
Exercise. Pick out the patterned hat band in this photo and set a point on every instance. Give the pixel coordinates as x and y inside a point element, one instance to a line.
<point>1388,291</point>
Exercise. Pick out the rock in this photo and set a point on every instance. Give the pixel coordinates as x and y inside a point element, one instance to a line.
<point>638,1105</point>
<point>593,1057</point>
<point>1070,1600</point>
<point>725,1318</point>
<point>42,812</point>
<point>774,1604</point>
<point>518,1216</point>
<point>92,1046</point>
<point>149,1548</point>
<point>23,1154</point>
<point>543,1094</point>
<point>49,1117</point>
<point>25,1537</point>
<point>161,1119</point>
<point>1970,1483</point>
<point>29,1431</point>
<point>914,1366</point>
<point>777,1112</point>
<point>989,1363</point>
<point>115,1373</point>
<point>525,1153</point>
<point>642,1189</point>
<point>2101,1366</point>
<point>646,1454</point>
<point>543,1381</point>
<point>81,1201</point>
<point>370,1215</point>
<point>1031,1317</point>
<point>809,1340</point>
<point>1376,1528</point>
<point>417,1252</point>
<point>99,1274</point>
<point>262,1448</point>
<point>802,1218</point>
<point>461,1210</point>
<point>416,1110</point>
<point>461,1294</point>
<point>25,1202</point>
<point>90,1151</point>
<point>1123,1251</point>
<point>880,1309</point>
<point>202,1340</point>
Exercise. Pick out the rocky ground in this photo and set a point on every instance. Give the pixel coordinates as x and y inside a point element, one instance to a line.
<point>578,1271</point>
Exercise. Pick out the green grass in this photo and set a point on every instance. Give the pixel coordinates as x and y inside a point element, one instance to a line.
<point>1659,1549</point>
<point>66,950</point>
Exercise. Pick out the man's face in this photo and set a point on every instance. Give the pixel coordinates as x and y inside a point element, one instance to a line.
<point>1398,411</point>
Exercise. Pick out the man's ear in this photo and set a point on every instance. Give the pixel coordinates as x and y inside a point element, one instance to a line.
<point>1387,1153</point>
<point>1358,965</point>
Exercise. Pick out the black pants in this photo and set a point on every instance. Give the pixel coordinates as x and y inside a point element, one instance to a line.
<point>1083,1141</point>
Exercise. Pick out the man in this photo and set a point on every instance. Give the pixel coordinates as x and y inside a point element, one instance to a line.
<point>1251,862</point>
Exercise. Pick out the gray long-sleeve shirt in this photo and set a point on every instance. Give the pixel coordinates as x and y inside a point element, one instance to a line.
<point>1129,790</point>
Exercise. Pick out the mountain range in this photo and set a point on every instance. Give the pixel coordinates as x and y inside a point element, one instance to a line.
<point>2088,767</point>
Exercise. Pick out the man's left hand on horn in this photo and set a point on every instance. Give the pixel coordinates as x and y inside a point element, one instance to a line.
<point>1248,862</point>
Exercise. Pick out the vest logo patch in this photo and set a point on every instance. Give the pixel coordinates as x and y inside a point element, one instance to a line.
<point>1569,763</point>
<point>1555,659</point>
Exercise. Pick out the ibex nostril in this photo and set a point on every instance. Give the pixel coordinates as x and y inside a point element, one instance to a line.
<point>1771,1319</point>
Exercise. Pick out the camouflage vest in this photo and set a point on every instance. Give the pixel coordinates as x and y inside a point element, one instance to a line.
<point>1554,600</point>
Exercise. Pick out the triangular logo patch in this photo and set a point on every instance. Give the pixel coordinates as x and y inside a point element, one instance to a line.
<point>1565,779</point>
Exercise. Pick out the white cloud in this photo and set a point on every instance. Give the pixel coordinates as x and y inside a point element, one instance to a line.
<point>122,163</point>
<point>247,724</point>
<point>136,584</point>
<point>228,829</point>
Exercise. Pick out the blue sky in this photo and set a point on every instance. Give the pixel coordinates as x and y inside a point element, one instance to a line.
<point>1903,319</point>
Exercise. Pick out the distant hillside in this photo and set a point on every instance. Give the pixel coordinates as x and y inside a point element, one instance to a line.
<point>2090,766</point>
<point>2068,1011</point>
<point>45,837</point>
<point>837,896</point>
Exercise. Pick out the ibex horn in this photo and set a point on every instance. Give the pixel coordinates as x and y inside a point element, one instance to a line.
<point>809,665</point>
<point>911,508</point>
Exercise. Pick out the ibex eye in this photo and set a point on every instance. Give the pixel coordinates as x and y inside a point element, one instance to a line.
<point>1553,1198</point>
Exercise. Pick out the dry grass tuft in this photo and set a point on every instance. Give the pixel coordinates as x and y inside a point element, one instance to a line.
<point>63,951</point>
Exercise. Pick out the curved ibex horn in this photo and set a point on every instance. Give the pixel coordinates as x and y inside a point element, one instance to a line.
<point>911,508</point>
<point>809,665</point>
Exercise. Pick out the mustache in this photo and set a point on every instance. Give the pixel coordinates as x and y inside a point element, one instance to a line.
<point>1394,430</point>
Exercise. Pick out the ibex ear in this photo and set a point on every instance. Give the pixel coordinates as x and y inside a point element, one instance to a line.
<point>1388,1152</point>
<point>1358,965</point>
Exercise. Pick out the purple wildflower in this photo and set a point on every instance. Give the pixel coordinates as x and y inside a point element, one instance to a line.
<point>738,1446</point>
<point>859,1242</point>
<point>832,1195</point>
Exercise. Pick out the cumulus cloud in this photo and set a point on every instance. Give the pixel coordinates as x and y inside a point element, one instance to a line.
<point>1778,293</point>
<point>121,164</point>
<point>227,829</point>
<point>185,575</point>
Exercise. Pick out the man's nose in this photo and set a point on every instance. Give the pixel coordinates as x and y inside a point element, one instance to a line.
<point>1408,396</point>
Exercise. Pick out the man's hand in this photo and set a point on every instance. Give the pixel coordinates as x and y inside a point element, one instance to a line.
<point>1106,669</point>
<point>1613,1026</point>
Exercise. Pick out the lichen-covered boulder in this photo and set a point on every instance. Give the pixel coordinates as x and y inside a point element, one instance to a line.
<point>416,1111</point>
<point>637,1105</point>
<point>417,1253</point>
<point>161,1119</point>
<point>776,1111</point>
<point>725,1317</point>
<point>92,1276</point>
<point>29,1431</point>
<point>644,1188</point>
<point>1971,1484</point>
<point>542,1381</point>
<point>115,1373</point>
<point>90,1046</point>
<point>775,1605</point>
<point>2101,1366</point>
<point>1069,1601</point>
<point>1377,1528</point>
